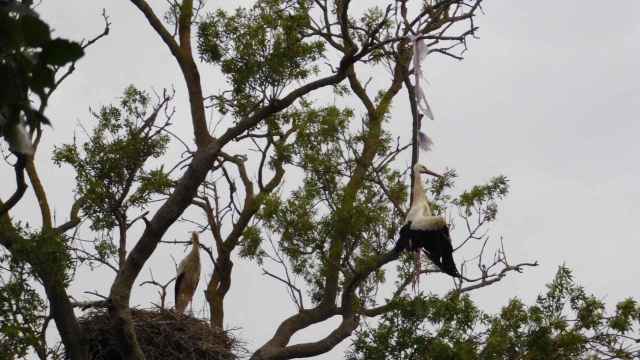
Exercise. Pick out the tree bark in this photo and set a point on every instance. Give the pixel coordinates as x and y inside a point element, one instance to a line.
<point>217,289</point>
<point>415,129</point>
<point>277,347</point>
<point>62,311</point>
<point>53,282</point>
<point>41,195</point>
<point>168,213</point>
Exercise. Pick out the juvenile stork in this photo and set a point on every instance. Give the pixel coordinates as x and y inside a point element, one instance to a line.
<point>188,276</point>
<point>424,230</point>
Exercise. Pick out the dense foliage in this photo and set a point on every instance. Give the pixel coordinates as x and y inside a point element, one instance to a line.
<point>565,322</point>
<point>20,309</point>
<point>260,50</point>
<point>29,59</point>
<point>109,165</point>
<point>280,174</point>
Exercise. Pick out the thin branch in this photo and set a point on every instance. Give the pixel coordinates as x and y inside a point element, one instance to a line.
<point>491,279</point>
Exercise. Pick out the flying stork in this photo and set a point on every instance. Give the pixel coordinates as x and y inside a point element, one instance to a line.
<point>422,229</point>
<point>188,276</point>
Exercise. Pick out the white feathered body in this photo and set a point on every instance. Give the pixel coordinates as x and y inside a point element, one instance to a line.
<point>420,214</point>
<point>188,277</point>
<point>16,136</point>
<point>423,230</point>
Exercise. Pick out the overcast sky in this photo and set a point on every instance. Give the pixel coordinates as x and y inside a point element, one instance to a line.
<point>548,96</point>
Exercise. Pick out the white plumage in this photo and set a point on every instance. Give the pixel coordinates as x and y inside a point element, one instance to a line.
<point>420,213</point>
<point>21,142</point>
<point>188,276</point>
<point>17,136</point>
<point>429,222</point>
<point>423,230</point>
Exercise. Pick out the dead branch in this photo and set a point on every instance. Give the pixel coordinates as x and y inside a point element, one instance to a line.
<point>163,288</point>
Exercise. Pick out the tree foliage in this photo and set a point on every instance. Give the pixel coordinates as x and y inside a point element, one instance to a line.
<point>20,313</point>
<point>109,165</point>
<point>280,177</point>
<point>29,59</point>
<point>565,322</point>
<point>260,50</point>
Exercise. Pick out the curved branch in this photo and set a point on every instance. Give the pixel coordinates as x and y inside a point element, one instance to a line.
<point>74,218</point>
<point>184,57</point>
<point>343,331</point>
<point>41,195</point>
<point>21,187</point>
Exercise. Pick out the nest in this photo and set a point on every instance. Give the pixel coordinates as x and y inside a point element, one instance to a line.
<point>162,335</point>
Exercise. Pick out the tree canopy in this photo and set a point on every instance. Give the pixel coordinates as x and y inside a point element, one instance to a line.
<point>565,322</point>
<point>276,174</point>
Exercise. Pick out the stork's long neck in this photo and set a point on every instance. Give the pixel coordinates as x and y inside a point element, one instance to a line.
<point>419,195</point>
<point>195,246</point>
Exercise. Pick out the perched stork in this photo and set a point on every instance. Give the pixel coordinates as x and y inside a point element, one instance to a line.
<point>16,135</point>
<point>424,230</point>
<point>188,276</point>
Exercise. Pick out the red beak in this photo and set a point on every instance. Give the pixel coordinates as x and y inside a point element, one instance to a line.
<point>427,171</point>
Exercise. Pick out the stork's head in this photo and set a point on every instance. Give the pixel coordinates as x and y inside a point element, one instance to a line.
<point>421,169</point>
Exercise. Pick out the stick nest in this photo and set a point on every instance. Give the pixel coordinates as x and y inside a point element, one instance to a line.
<point>163,335</point>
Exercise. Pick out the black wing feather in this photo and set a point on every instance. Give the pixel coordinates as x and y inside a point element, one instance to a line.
<point>177,288</point>
<point>436,244</point>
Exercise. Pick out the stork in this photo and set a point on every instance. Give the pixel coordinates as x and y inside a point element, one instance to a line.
<point>188,276</point>
<point>16,135</point>
<point>424,230</point>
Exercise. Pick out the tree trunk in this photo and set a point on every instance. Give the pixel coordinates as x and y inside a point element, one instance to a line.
<point>415,151</point>
<point>122,326</point>
<point>54,286</point>
<point>62,311</point>
<point>217,289</point>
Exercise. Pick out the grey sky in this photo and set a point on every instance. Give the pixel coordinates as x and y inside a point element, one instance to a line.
<point>548,96</point>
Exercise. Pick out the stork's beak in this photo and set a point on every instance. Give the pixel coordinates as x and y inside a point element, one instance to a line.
<point>429,172</point>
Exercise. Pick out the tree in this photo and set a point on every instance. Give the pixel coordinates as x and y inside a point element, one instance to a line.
<point>564,323</point>
<point>334,230</point>
<point>30,60</point>
<point>32,66</point>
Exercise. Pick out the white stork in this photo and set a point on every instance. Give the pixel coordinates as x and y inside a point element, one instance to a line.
<point>424,230</point>
<point>188,276</point>
<point>16,135</point>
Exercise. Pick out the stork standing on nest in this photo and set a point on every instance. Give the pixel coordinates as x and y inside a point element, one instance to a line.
<point>188,276</point>
<point>424,230</point>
